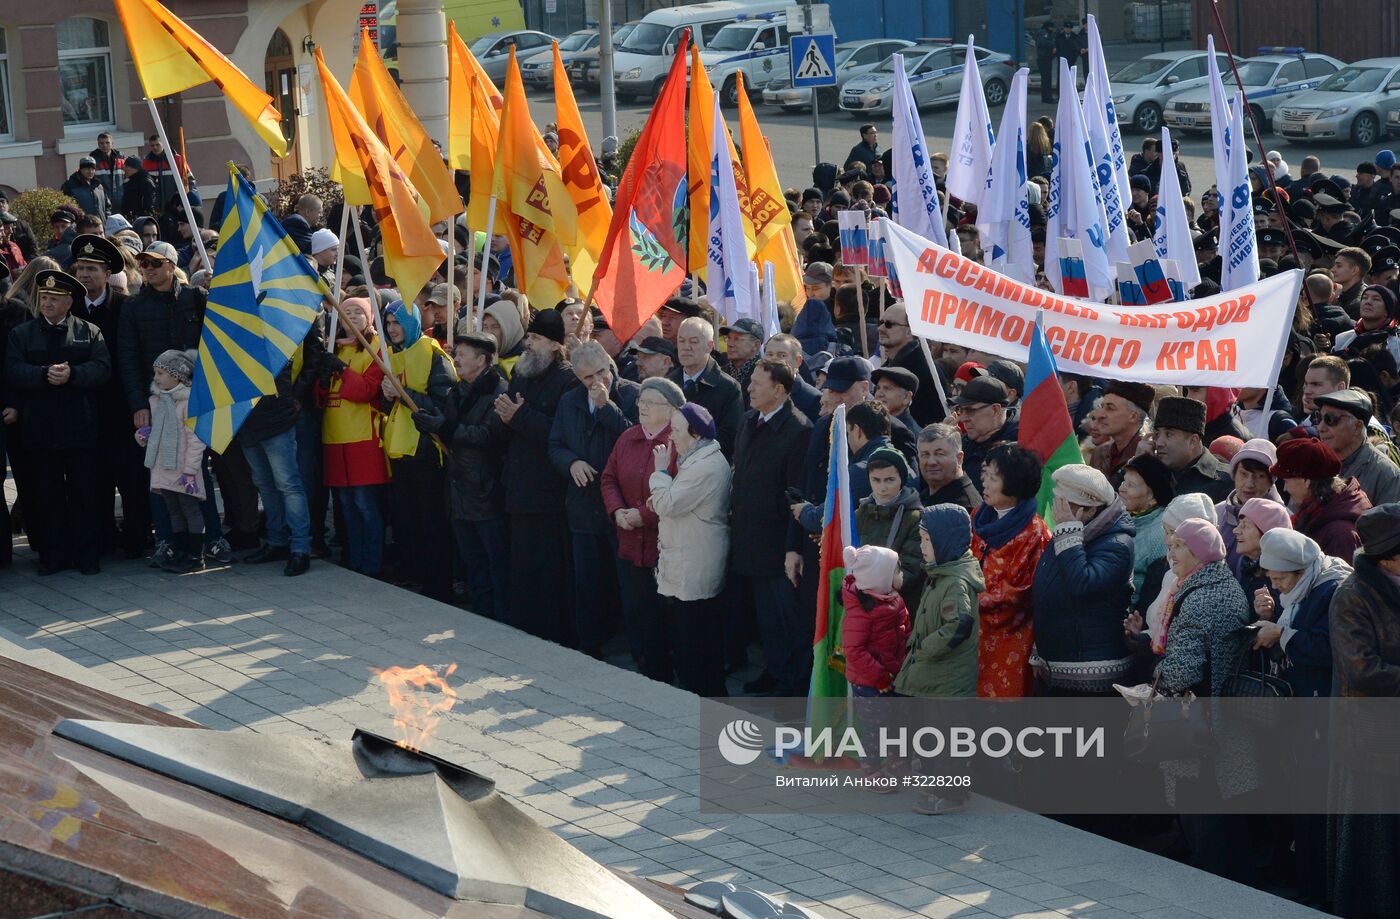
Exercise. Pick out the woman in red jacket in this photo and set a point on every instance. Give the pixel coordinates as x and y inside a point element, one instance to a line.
<point>349,389</point>
<point>625,491</point>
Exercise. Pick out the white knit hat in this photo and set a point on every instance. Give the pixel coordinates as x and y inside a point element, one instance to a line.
<point>322,240</point>
<point>1082,485</point>
<point>874,567</point>
<point>1184,507</point>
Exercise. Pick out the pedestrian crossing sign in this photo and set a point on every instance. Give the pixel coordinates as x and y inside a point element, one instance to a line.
<point>813,60</point>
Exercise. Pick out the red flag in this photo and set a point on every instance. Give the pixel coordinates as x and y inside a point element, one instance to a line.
<point>643,258</point>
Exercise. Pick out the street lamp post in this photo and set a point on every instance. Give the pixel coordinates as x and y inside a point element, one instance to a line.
<point>607,89</point>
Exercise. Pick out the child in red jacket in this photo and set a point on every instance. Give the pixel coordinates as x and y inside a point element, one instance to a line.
<point>874,632</point>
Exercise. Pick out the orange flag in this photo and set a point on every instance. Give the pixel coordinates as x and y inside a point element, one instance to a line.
<point>525,181</point>
<point>375,95</point>
<point>581,178</point>
<point>369,175</point>
<point>459,101</point>
<point>485,138</point>
<point>171,57</point>
<point>772,223</point>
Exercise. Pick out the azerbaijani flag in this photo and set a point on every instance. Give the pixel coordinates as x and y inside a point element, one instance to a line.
<point>1046,428</point>
<point>838,532</point>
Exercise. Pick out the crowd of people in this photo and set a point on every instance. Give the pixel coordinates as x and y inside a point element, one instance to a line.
<point>667,490</point>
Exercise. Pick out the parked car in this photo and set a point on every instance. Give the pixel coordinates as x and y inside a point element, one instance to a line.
<point>1353,104</point>
<point>493,51</point>
<point>935,75</point>
<point>539,70</point>
<point>853,59</point>
<point>1270,80</point>
<point>1142,89</point>
<point>584,68</point>
<point>756,47</point>
<point>641,62</point>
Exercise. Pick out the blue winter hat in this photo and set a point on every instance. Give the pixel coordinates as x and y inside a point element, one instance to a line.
<point>1386,159</point>
<point>700,419</point>
<point>407,316</point>
<point>949,528</point>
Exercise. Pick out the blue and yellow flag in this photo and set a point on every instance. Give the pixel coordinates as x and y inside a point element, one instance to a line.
<point>262,301</point>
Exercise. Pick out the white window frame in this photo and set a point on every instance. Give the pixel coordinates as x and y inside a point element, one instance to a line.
<point>106,53</point>
<point>9,133</point>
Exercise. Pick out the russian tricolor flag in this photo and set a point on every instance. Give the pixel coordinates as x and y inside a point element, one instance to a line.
<point>855,238</point>
<point>1074,280</point>
<point>1150,276</point>
<point>1046,428</point>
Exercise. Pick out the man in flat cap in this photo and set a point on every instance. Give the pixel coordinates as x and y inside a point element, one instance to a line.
<point>1177,433</point>
<point>95,260</point>
<point>1342,420</point>
<point>980,410</point>
<point>55,366</point>
<point>895,389</point>
<point>901,349</point>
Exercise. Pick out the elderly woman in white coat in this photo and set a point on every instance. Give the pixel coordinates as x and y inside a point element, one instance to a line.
<point>693,534</point>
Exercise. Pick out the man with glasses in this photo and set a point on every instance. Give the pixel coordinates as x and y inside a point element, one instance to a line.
<point>1342,418</point>
<point>901,349</point>
<point>868,150</point>
<point>980,410</point>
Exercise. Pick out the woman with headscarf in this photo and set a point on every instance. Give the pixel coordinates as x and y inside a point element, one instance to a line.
<point>502,322</point>
<point>625,491</point>
<point>418,511</point>
<point>1296,635</point>
<point>1008,539</point>
<point>1203,641</point>
<point>1324,506</point>
<point>1083,583</point>
<point>692,508</point>
<point>1249,468</point>
<point>1146,490</point>
<point>352,448</point>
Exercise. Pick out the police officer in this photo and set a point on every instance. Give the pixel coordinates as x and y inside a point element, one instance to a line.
<point>1045,41</point>
<point>55,366</point>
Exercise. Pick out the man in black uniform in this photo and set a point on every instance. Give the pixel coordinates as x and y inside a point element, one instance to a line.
<point>1045,59</point>
<point>55,366</point>
<point>95,260</point>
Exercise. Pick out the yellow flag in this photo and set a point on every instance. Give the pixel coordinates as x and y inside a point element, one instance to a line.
<point>772,223</point>
<point>459,101</point>
<point>698,155</point>
<point>171,57</point>
<point>485,135</point>
<point>581,178</point>
<point>525,181</point>
<point>370,176</point>
<point>378,99</point>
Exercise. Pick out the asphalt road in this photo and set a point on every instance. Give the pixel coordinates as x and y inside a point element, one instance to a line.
<point>790,137</point>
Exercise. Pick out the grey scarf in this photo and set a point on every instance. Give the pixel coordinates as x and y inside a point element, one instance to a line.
<point>163,445</point>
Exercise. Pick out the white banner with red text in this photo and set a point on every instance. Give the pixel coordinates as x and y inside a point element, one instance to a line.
<point>1233,339</point>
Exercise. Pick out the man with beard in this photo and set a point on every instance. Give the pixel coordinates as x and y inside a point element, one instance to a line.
<point>540,571</point>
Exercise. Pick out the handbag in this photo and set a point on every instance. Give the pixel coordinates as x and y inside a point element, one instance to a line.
<point>1255,684</point>
<point>1167,728</point>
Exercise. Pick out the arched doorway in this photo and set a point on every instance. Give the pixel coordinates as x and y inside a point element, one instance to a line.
<point>280,71</point>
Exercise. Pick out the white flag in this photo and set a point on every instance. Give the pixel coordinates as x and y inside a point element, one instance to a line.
<point>1099,68</point>
<point>1003,214</point>
<point>1114,204</point>
<point>1240,266</point>
<point>772,323</point>
<point>972,137</point>
<point>1075,210</point>
<point>1219,123</point>
<point>728,283</point>
<point>918,208</point>
<point>1172,238</point>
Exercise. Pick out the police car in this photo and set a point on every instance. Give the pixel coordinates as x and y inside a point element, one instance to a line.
<point>853,58</point>
<point>935,72</point>
<point>755,46</point>
<point>1272,78</point>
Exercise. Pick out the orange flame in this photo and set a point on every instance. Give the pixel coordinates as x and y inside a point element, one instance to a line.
<point>416,714</point>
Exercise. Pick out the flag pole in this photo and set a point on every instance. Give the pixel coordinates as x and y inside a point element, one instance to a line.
<point>334,321</point>
<point>451,282</point>
<point>860,311</point>
<point>180,186</point>
<point>470,303</point>
<point>374,301</point>
<point>485,254</point>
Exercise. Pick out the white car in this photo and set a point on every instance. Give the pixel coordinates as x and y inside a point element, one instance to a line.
<point>1353,104</point>
<point>493,51</point>
<point>935,77</point>
<point>539,70</point>
<point>1142,89</point>
<point>1270,81</point>
<point>853,58</point>
<point>756,47</point>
